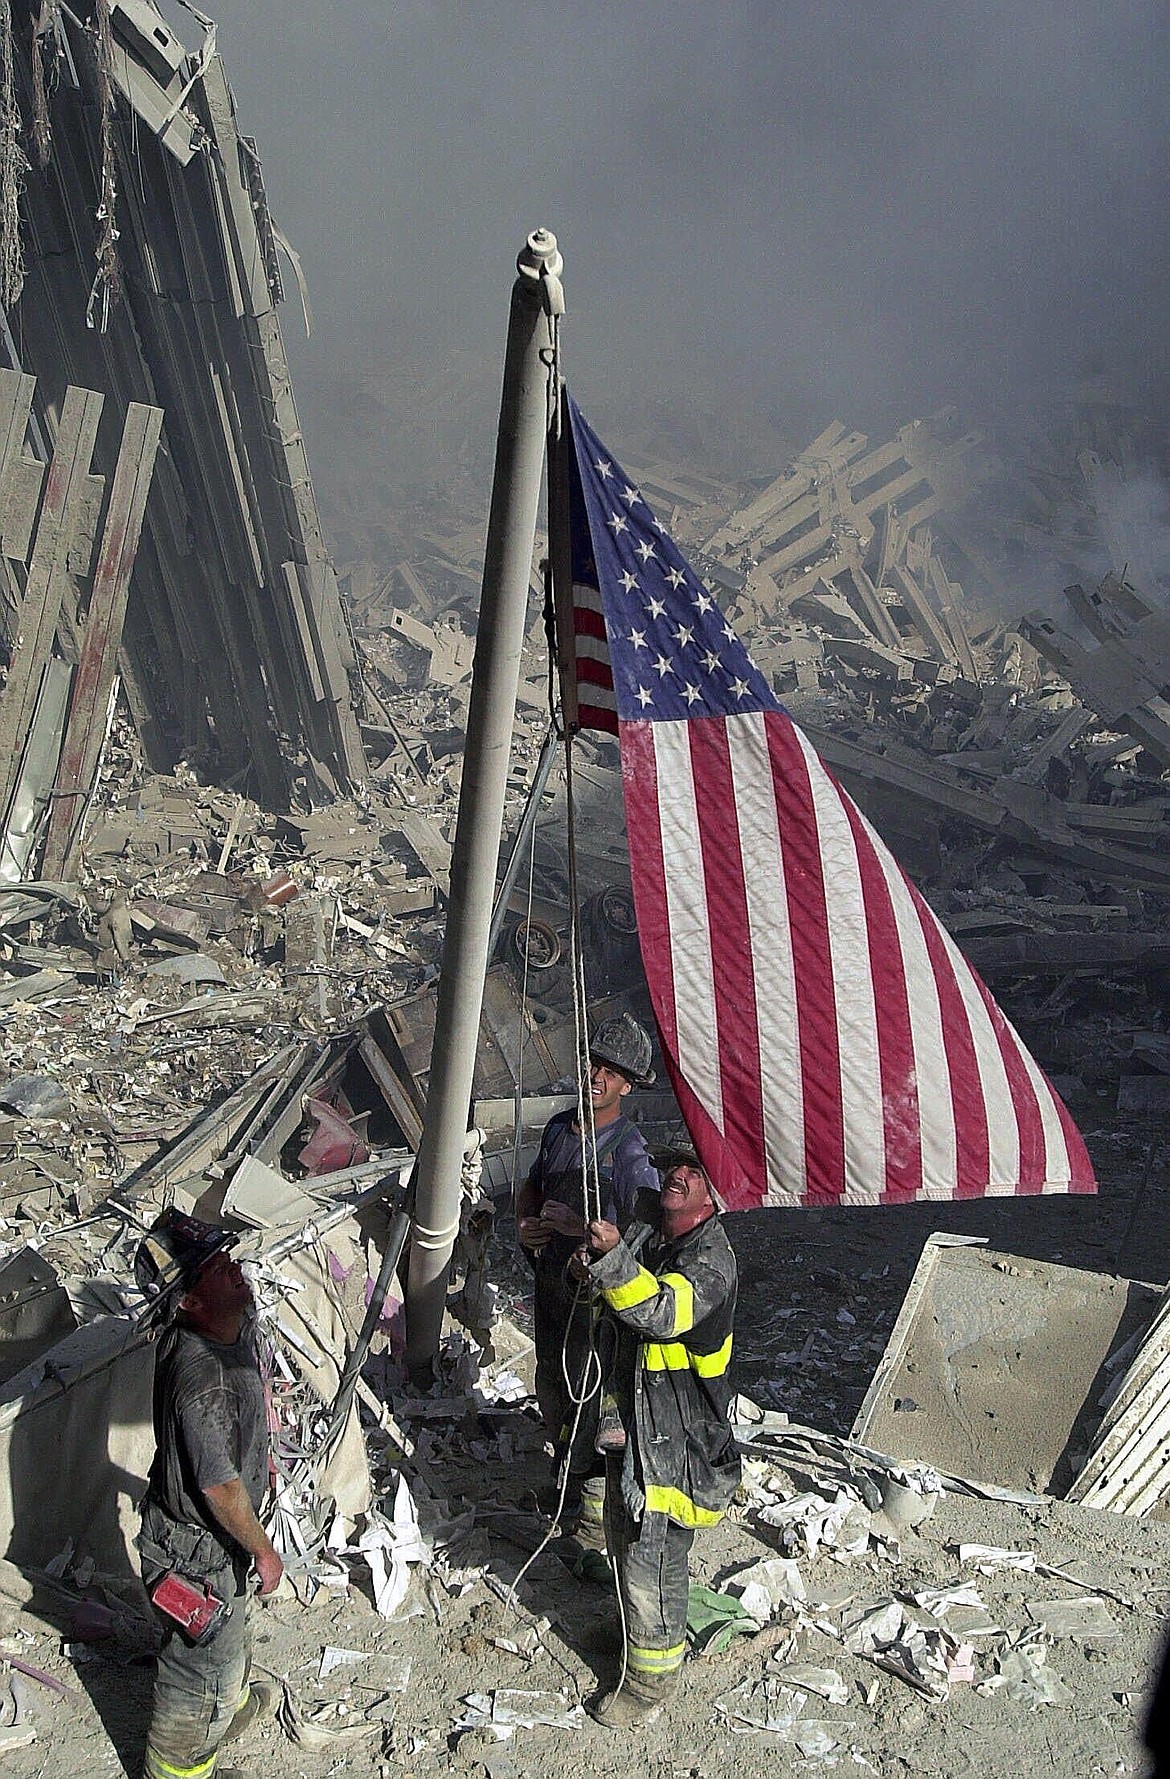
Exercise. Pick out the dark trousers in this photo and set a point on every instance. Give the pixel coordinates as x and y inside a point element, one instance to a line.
<point>652,1559</point>
<point>197,1692</point>
<point>565,1367</point>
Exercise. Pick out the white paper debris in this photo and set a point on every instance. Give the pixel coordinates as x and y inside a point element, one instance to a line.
<point>333,1657</point>
<point>766,1586</point>
<point>1024,1674</point>
<point>825,1682</point>
<point>807,1521</point>
<point>873,1627</point>
<point>989,1558</point>
<point>768,1705</point>
<point>389,1547</point>
<point>959,1608</point>
<point>507,1710</point>
<point>1085,1616</point>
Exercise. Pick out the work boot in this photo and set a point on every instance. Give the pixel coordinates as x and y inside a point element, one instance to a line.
<point>260,1702</point>
<point>639,1700</point>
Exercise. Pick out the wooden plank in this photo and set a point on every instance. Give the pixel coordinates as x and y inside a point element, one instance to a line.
<point>44,590</point>
<point>103,634</point>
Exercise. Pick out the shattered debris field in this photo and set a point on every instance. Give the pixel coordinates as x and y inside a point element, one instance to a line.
<point>950,1551</point>
<point>1008,1633</point>
<point>233,727</point>
<point>293,980</point>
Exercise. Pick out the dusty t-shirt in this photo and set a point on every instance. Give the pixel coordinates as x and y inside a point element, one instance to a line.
<point>210,1423</point>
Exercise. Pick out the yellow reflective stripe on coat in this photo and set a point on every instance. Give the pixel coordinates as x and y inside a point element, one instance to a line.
<point>639,1290</point>
<point>684,1301</point>
<point>655,1661</point>
<point>155,1767</point>
<point>679,1507</point>
<point>672,1355</point>
<point>712,1364</point>
<point>668,1355</point>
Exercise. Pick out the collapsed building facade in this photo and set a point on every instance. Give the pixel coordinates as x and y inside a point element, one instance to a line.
<point>140,262</point>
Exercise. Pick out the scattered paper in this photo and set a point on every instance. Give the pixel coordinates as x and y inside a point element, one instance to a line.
<point>333,1658</point>
<point>507,1710</point>
<point>1086,1616</point>
<point>1024,1674</point>
<point>766,1586</point>
<point>808,1521</point>
<point>768,1705</point>
<point>989,1558</point>
<point>389,1547</point>
<point>959,1608</point>
<point>825,1682</point>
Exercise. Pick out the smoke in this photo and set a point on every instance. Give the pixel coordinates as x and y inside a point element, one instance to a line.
<point>1133,511</point>
<point>780,215</point>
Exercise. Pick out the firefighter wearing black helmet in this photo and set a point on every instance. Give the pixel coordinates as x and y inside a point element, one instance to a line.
<point>201,1535</point>
<point>550,1224</point>
<point>668,1293</point>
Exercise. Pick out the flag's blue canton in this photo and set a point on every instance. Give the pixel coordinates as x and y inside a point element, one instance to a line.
<point>672,652</point>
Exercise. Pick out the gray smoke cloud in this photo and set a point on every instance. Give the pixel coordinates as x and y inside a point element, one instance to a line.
<point>790,212</point>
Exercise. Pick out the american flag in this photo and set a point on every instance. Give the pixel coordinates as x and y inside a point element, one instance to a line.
<point>826,1039</point>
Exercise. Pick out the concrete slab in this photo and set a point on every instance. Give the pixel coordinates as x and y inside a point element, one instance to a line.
<point>997,1365</point>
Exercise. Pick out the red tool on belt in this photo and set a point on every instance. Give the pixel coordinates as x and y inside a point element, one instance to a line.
<point>192,1605</point>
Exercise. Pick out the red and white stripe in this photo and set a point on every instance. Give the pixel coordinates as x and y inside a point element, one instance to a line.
<point>596,704</point>
<point>827,1041</point>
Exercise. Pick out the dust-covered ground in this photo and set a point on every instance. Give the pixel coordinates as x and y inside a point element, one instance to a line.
<point>820,1292</point>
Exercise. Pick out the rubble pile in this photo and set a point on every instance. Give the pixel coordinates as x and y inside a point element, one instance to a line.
<point>234,1008</point>
<point>1004,737</point>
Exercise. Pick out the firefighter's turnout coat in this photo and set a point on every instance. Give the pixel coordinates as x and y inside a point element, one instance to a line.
<point>674,1305</point>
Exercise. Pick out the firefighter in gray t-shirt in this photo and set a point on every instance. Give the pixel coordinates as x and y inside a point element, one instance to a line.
<point>208,1479</point>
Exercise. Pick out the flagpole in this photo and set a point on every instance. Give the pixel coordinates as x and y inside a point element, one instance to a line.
<point>537,300</point>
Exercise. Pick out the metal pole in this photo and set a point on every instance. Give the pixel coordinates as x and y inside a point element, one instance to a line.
<point>520,446</point>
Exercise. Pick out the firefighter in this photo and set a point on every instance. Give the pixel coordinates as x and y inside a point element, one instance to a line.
<point>550,1226</point>
<point>200,1530</point>
<point>670,1291</point>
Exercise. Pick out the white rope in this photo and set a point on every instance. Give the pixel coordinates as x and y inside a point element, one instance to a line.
<point>590,1381</point>
<point>590,1170</point>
